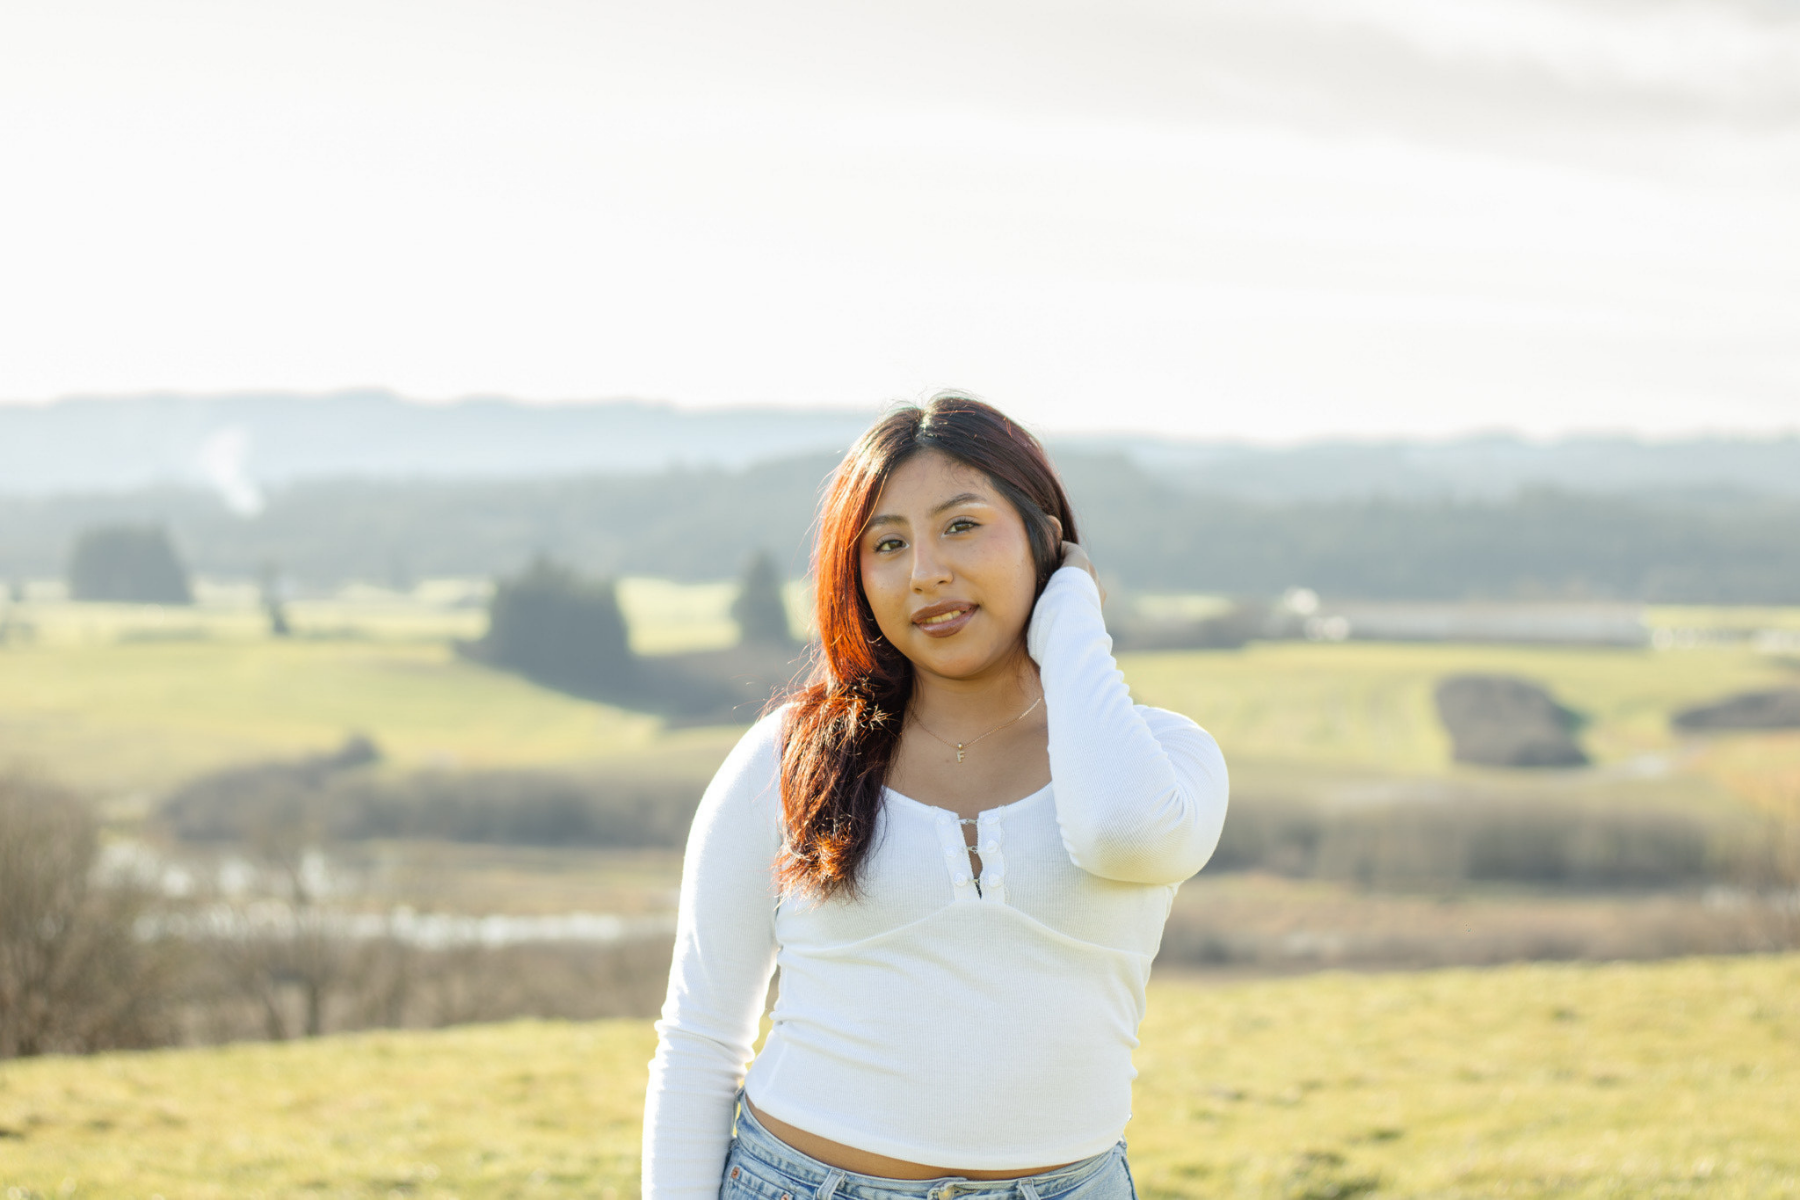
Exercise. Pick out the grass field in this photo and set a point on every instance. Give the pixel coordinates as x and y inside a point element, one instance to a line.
<point>1679,1079</point>
<point>124,699</point>
<point>663,616</point>
<point>1369,705</point>
<point>142,715</point>
<point>128,699</point>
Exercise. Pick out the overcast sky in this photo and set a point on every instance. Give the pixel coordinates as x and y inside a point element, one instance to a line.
<point>1272,219</point>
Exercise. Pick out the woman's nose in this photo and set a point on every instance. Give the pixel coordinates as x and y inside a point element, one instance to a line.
<point>928,568</point>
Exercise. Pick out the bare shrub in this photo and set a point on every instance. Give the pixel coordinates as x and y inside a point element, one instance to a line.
<point>286,941</point>
<point>73,975</point>
<point>1273,925</point>
<point>241,992</point>
<point>569,982</point>
<point>502,807</point>
<point>1766,856</point>
<point>1444,841</point>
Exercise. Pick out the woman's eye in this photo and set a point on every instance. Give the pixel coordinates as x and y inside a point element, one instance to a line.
<point>960,525</point>
<point>886,544</point>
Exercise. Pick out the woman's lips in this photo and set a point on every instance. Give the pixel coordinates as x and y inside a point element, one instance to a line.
<point>942,620</point>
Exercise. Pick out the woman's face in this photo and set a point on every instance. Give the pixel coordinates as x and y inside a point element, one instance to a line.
<point>947,568</point>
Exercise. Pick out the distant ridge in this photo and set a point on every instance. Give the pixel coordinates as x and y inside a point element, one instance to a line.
<point>239,444</point>
<point>107,443</point>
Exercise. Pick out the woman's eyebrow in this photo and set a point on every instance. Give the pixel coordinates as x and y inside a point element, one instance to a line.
<point>960,498</point>
<point>952,502</point>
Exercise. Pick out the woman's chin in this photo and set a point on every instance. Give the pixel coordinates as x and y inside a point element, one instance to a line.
<point>949,661</point>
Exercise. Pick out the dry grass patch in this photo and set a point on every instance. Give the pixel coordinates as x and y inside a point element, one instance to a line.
<point>1673,1079</point>
<point>1676,1079</point>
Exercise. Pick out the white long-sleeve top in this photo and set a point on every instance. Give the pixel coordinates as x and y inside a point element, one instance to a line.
<point>930,1019</point>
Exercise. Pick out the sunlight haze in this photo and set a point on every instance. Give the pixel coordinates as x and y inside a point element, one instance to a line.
<point>1275,220</point>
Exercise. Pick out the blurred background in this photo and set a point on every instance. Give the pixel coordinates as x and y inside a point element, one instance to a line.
<point>412,415</point>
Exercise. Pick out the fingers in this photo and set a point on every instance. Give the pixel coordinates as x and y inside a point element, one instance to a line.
<point>1075,556</point>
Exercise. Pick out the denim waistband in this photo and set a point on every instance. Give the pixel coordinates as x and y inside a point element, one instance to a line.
<point>826,1182</point>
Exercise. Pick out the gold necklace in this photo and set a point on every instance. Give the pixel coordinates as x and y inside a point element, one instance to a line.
<point>959,747</point>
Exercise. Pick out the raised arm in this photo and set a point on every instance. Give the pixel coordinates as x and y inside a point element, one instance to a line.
<point>1140,793</point>
<point>724,956</point>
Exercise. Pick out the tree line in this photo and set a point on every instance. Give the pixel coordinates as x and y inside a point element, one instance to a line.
<point>565,630</point>
<point>1148,532</point>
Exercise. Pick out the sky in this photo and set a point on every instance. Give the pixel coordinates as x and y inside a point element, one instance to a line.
<point>1273,220</point>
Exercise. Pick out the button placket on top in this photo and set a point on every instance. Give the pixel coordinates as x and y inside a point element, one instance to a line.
<point>988,844</point>
<point>956,857</point>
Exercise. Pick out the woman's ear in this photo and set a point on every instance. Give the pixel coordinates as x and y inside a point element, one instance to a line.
<point>1056,524</point>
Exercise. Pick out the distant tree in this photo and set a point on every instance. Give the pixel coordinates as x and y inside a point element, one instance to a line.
<point>284,949</point>
<point>560,629</point>
<point>136,564</point>
<point>73,974</point>
<point>1499,721</point>
<point>759,610</point>
<point>269,578</point>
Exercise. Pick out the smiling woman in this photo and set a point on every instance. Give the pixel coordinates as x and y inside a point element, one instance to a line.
<point>937,535</point>
<point>959,842</point>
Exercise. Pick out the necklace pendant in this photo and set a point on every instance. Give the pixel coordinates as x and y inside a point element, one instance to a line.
<point>959,751</point>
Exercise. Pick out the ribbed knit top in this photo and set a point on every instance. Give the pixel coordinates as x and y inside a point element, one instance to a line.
<point>935,1018</point>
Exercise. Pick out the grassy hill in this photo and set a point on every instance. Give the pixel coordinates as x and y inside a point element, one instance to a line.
<point>1679,1079</point>
<point>1368,705</point>
<point>143,715</point>
<point>139,710</point>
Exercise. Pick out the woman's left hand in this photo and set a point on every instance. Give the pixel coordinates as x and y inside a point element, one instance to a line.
<point>1075,556</point>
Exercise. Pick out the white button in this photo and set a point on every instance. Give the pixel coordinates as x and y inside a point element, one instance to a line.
<point>963,878</point>
<point>990,847</point>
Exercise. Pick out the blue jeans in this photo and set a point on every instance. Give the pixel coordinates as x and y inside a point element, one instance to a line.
<point>762,1167</point>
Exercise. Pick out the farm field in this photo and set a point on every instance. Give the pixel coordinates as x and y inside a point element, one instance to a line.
<point>1673,1079</point>
<point>123,700</point>
<point>128,700</point>
<point>143,715</point>
<point>1368,705</point>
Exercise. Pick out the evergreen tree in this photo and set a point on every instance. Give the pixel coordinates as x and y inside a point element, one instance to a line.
<point>557,628</point>
<point>759,611</point>
<point>136,564</point>
<point>269,577</point>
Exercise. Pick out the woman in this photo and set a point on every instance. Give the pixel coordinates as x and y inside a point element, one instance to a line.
<point>959,843</point>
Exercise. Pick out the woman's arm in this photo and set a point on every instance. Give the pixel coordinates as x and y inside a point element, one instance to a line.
<point>1140,793</point>
<point>724,956</point>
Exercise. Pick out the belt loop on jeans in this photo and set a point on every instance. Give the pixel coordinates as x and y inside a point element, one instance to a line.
<point>1026,1191</point>
<point>829,1188</point>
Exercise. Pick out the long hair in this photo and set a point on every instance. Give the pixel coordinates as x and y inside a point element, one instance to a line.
<point>844,724</point>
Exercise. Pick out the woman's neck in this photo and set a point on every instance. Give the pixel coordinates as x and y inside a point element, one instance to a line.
<point>966,707</point>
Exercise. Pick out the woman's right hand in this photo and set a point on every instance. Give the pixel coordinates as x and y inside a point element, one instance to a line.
<point>1074,556</point>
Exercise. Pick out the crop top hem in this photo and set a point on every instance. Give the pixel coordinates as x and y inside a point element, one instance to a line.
<point>1047,1156</point>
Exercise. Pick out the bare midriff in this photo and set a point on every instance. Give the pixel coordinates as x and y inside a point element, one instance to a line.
<point>861,1162</point>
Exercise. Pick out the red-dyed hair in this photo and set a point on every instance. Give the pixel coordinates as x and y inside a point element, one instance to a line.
<point>844,724</point>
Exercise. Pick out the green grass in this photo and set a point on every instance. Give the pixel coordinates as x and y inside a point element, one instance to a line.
<point>1678,1079</point>
<point>123,716</point>
<point>130,699</point>
<point>667,617</point>
<point>127,700</point>
<point>1739,618</point>
<point>1368,705</point>
<point>664,616</point>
